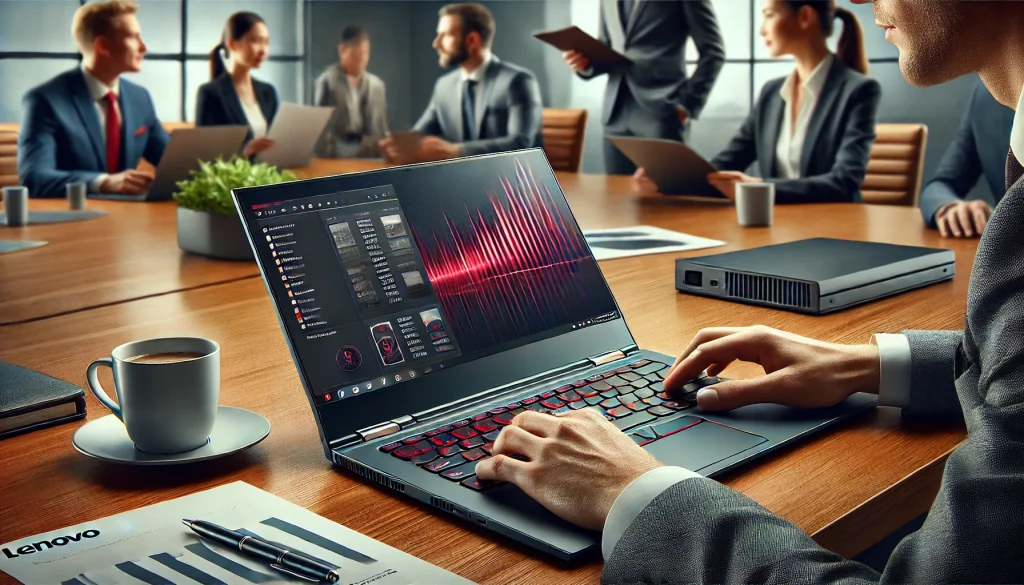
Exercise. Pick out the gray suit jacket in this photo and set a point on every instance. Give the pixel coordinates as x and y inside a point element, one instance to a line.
<point>508,115</point>
<point>700,531</point>
<point>655,41</point>
<point>836,149</point>
<point>332,89</point>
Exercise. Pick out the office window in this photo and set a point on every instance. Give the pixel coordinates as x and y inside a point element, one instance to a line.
<point>734,25</point>
<point>36,44</point>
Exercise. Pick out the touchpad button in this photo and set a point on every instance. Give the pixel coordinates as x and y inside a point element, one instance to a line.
<point>701,445</point>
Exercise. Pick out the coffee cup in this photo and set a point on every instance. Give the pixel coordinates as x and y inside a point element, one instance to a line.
<point>16,205</point>
<point>167,391</point>
<point>76,193</point>
<point>755,204</point>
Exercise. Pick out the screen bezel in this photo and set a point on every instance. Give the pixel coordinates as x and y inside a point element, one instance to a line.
<point>446,386</point>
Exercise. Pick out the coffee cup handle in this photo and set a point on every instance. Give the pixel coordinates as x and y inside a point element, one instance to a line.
<point>94,385</point>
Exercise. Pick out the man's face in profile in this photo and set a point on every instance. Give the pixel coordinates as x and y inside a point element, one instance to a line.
<point>938,39</point>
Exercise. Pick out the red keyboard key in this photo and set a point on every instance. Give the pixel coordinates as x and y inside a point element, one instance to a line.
<point>476,484</point>
<point>561,389</point>
<point>504,418</point>
<point>461,423</point>
<point>571,396</point>
<point>531,400</point>
<point>548,394</point>
<point>639,364</point>
<point>619,411</point>
<point>474,442</point>
<point>492,436</point>
<point>449,450</point>
<point>611,403</point>
<point>459,473</point>
<point>488,447</point>
<point>474,454</point>
<point>481,416</point>
<point>412,440</point>
<point>438,431</point>
<point>497,411</point>
<point>425,457</point>
<point>580,384</point>
<point>444,439</point>
<point>407,452</point>
<point>464,432</point>
<point>391,447</point>
<point>635,406</point>
<point>587,392</point>
<point>622,369</point>
<point>443,463</point>
<point>552,403</point>
<point>486,426</point>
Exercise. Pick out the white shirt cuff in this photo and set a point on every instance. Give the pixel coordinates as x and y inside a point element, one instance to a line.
<point>894,366</point>
<point>95,184</point>
<point>634,499</point>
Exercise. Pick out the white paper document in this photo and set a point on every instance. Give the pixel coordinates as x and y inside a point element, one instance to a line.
<point>642,239</point>
<point>152,546</point>
<point>295,131</point>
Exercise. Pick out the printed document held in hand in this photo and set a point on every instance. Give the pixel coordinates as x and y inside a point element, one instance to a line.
<point>151,545</point>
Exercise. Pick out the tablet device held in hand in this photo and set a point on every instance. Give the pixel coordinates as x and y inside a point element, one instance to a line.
<point>674,167</point>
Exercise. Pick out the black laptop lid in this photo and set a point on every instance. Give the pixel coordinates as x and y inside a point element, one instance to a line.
<point>407,288</point>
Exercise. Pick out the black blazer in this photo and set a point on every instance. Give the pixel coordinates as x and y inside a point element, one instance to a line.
<point>836,149</point>
<point>217,103</point>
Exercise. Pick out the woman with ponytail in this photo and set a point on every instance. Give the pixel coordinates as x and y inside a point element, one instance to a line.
<point>810,133</point>
<point>233,97</point>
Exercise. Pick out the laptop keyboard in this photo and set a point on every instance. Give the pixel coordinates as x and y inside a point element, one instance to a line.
<point>629,396</point>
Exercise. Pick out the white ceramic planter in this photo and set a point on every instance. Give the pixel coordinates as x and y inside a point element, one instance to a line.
<point>213,235</point>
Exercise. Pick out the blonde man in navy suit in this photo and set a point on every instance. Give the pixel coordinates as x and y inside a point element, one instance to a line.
<point>88,124</point>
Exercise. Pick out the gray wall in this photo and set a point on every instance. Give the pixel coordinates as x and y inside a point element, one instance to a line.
<point>403,30</point>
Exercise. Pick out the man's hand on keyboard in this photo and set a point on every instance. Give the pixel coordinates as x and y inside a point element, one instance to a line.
<point>800,372</point>
<point>576,464</point>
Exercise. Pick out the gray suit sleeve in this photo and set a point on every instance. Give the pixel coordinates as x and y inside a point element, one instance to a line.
<point>958,170</point>
<point>428,123</point>
<point>703,26</point>
<point>932,374</point>
<point>524,119</point>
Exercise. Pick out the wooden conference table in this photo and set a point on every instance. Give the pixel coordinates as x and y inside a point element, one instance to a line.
<point>120,278</point>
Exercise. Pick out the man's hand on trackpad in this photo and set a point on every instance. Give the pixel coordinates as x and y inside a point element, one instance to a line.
<point>575,465</point>
<point>799,371</point>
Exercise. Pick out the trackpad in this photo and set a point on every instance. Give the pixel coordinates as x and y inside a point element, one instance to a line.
<point>702,445</point>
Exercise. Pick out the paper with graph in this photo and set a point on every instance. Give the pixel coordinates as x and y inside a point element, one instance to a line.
<point>151,546</point>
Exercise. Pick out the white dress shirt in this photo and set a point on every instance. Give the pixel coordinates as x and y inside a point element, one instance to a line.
<point>478,76</point>
<point>99,90</point>
<point>789,148</point>
<point>257,122</point>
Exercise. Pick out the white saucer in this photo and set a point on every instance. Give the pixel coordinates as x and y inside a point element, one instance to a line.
<point>236,429</point>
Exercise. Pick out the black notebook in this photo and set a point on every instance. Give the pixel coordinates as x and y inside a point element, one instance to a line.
<point>30,400</point>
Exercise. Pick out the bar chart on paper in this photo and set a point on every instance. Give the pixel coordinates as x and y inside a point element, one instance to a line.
<point>151,546</point>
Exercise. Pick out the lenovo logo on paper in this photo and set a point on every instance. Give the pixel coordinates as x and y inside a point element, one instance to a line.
<point>45,544</point>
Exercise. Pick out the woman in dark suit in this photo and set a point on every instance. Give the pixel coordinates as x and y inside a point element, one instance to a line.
<point>233,97</point>
<point>810,132</point>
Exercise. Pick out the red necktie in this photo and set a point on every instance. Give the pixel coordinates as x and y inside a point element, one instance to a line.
<point>113,134</point>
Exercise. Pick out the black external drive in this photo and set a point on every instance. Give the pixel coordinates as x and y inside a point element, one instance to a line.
<point>817,276</point>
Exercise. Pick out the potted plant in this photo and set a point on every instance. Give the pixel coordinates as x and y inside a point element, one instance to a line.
<point>207,221</point>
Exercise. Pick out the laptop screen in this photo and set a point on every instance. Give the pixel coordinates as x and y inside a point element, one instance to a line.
<point>393,276</point>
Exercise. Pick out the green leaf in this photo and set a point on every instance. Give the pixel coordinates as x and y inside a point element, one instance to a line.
<point>209,188</point>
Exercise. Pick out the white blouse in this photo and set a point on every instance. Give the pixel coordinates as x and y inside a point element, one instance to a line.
<point>789,149</point>
<point>257,122</point>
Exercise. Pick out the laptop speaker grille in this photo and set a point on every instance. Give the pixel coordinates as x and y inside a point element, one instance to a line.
<point>367,473</point>
<point>768,289</point>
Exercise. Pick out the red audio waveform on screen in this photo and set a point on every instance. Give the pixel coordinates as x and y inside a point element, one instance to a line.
<point>510,270</point>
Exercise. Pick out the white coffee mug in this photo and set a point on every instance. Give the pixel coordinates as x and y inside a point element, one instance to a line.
<point>755,204</point>
<point>76,193</point>
<point>167,391</point>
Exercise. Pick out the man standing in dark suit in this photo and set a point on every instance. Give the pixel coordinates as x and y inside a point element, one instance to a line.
<point>978,150</point>
<point>665,524</point>
<point>652,97</point>
<point>485,105</point>
<point>87,124</point>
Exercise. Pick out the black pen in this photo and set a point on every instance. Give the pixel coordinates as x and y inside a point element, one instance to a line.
<point>290,562</point>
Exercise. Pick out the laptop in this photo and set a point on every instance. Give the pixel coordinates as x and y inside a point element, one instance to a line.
<point>427,305</point>
<point>188,146</point>
<point>674,167</point>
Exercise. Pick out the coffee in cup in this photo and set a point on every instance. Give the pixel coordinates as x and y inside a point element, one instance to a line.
<point>167,391</point>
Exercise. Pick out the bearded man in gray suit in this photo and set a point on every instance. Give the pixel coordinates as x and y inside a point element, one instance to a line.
<point>669,525</point>
<point>360,119</point>
<point>652,96</point>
